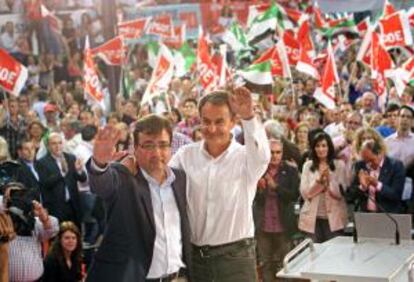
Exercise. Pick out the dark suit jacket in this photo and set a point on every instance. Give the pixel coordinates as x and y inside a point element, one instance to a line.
<point>53,185</point>
<point>126,251</point>
<point>392,177</point>
<point>25,176</point>
<point>287,190</point>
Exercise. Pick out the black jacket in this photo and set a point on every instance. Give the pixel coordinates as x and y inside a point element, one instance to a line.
<point>126,251</point>
<point>53,185</point>
<point>287,190</point>
<point>392,177</point>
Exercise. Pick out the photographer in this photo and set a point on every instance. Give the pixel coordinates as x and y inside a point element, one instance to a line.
<point>33,225</point>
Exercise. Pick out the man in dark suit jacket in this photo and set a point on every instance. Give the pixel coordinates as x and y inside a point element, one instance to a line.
<point>138,244</point>
<point>59,173</point>
<point>274,211</point>
<point>27,172</point>
<point>378,180</point>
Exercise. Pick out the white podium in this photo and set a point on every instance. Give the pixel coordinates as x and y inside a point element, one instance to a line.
<point>342,260</point>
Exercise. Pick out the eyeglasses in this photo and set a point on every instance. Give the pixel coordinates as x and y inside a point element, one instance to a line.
<point>153,146</point>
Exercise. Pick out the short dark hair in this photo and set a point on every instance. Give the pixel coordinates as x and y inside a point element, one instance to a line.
<point>22,141</point>
<point>151,124</point>
<point>392,108</point>
<point>89,132</point>
<point>190,100</point>
<point>217,98</point>
<point>408,108</point>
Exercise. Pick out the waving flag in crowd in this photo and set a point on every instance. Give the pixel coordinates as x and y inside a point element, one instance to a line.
<point>259,74</point>
<point>206,69</point>
<point>381,63</point>
<point>53,21</point>
<point>92,85</point>
<point>113,52</point>
<point>13,75</point>
<point>133,29</point>
<point>395,30</point>
<point>326,94</point>
<point>161,75</point>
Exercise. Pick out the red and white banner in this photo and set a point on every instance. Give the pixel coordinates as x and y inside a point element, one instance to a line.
<point>388,9</point>
<point>306,64</point>
<point>92,84</point>
<point>162,26</point>
<point>395,30</point>
<point>13,75</point>
<point>54,22</point>
<point>326,93</point>
<point>305,39</point>
<point>177,39</point>
<point>206,69</point>
<point>381,62</point>
<point>278,59</point>
<point>292,48</point>
<point>113,52</point>
<point>161,75</point>
<point>133,29</point>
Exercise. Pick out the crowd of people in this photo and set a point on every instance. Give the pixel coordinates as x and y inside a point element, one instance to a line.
<point>196,185</point>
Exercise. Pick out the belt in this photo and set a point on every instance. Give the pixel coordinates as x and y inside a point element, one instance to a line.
<point>207,251</point>
<point>169,277</point>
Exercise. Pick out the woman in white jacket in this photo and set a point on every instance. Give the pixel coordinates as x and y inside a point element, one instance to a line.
<point>324,213</point>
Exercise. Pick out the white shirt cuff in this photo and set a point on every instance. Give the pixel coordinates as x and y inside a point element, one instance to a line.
<point>97,168</point>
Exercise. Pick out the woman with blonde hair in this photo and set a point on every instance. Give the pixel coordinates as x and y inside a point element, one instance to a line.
<point>365,134</point>
<point>301,137</point>
<point>4,150</point>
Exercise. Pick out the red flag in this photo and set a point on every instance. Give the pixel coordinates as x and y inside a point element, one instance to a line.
<point>178,38</point>
<point>205,67</point>
<point>13,75</point>
<point>326,93</point>
<point>54,22</point>
<point>319,20</point>
<point>304,37</point>
<point>388,9</point>
<point>272,55</point>
<point>362,26</point>
<point>133,29</point>
<point>112,52</point>
<point>292,48</point>
<point>92,84</point>
<point>161,75</point>
<point>162,26</point>
<point>410,15</point>
<point>380,63</point>
<point>395,30</point>
<point>306,65</point>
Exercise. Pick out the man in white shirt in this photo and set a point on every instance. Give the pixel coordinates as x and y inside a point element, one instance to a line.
<point>221,184</point>
<point>400,145</point>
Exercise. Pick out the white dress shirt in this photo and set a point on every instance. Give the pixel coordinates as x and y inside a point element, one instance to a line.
<point>220,191</point>
<point>84,152</point>
<point>167,254</point>
<point>401,148</point>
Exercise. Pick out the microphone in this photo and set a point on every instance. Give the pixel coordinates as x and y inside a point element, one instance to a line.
<point>354,231</point>
<point>387,214</point>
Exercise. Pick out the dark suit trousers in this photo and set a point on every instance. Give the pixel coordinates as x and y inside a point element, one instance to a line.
<point>272,248</point>
<point>233,263</point>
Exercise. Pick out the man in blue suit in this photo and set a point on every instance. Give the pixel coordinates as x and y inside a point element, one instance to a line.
<point>378,180</point>
<point>147,230</point>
